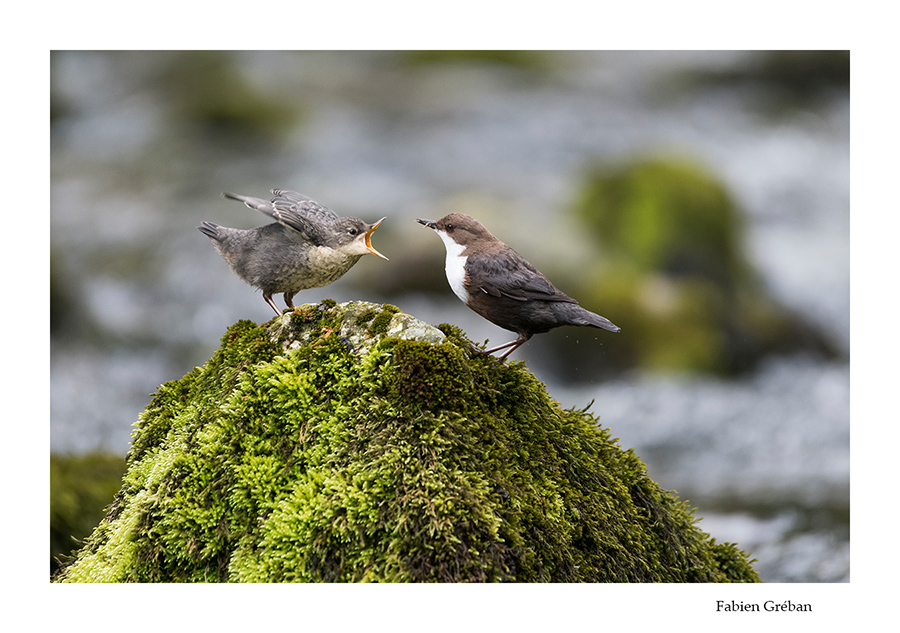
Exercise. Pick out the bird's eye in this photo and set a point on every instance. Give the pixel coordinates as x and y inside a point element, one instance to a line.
<point>353,231</point>
<point>449,227</point>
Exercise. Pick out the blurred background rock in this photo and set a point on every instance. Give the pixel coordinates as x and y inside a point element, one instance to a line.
<point>700,200</point>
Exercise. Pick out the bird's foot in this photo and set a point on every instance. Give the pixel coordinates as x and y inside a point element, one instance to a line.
<point>476,349</point>
<point>490,352</point>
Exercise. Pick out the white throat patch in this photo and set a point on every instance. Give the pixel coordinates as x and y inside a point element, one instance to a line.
<point>455,266</point>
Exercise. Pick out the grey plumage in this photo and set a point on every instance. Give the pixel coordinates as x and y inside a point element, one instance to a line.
<point>309,245</point>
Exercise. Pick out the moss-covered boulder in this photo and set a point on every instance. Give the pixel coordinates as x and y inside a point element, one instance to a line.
<point>354,443</point>
<point>674,276</point>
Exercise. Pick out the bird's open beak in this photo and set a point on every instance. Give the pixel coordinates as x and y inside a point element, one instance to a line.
<point>428,223</point>
<point>368,238</point>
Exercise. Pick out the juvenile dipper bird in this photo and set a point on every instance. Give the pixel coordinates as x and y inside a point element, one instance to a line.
<point>497,283</point>
<point>308,247</point>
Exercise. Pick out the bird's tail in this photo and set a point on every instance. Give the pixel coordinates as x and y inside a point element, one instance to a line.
<point>210,230</point>
<point>574,314</point>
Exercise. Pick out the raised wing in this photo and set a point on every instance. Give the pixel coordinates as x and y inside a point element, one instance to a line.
<point>298,212</point>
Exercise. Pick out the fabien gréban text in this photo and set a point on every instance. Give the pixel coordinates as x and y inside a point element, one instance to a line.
<point>769,605</point>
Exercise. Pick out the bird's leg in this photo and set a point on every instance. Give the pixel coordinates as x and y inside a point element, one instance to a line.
<point>289,299</point>
<point>271,302</point>
<point>494,349</point>
<point>512,345</point>
<point>516,345</point>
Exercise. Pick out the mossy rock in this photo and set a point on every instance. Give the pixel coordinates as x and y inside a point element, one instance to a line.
<point>353,442</point>
<point>671,273</point>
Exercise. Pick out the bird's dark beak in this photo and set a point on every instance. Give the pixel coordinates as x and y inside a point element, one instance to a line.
<point>368,238</point>
<point>429,223</point>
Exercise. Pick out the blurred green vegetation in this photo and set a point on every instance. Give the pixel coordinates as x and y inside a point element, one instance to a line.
<point>207,88</point>
<point>672,273</point>
<point>81,487</point>
<point>665,215</point>
<point>530,61</point>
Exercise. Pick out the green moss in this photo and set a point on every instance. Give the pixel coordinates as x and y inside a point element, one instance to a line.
<point>80,488</point>
<point>243,345</point>
<point>366,316</point>
<point>301,316</point>
<point>383,319</point>
<point>380,320</point>
<point>410,462</point>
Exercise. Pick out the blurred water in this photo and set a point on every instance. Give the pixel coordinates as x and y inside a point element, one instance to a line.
<point>141,296</point>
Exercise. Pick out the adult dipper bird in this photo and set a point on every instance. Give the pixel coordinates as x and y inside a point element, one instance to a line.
<point>308,247</point>
<point>497,283</point>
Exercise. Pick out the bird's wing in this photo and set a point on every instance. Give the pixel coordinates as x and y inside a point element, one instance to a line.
<point>508,274</point>
<point>298,212</point>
